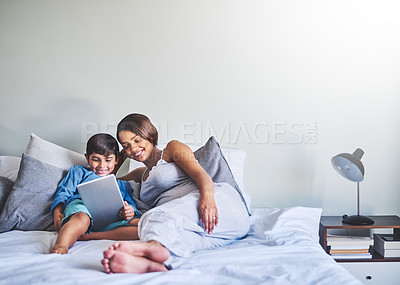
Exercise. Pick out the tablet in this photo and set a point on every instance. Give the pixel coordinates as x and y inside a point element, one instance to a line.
<point>103,200</point>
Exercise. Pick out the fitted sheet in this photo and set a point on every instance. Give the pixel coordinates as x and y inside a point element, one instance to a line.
<point>281,248</point>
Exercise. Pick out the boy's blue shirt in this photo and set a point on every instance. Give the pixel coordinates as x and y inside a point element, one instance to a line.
<point>67,189</point>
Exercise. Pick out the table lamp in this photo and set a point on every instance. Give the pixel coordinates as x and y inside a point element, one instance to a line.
<point>350,167</point>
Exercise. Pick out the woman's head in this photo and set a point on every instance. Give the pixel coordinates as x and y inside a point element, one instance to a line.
<point>138,137</point>
<point>101,153</point>
<point>139,125</point>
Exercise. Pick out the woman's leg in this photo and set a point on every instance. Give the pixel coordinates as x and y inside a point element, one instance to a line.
<point>176,224</point>
<point>175,227</point>
<point>69,233</point>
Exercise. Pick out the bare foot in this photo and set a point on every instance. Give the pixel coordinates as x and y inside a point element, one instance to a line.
<point>59,249</point>
<point>122,262</point>
<point>151,249</point>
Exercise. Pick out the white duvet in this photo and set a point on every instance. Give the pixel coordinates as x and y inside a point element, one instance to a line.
<point>281,248</point>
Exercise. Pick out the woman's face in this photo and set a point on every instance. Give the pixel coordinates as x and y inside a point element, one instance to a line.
<point>135,146</point>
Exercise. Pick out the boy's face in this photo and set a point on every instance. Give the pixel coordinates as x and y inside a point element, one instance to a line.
<point>102,165</point>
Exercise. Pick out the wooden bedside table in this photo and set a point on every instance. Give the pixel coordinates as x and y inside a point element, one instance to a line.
<point>376,270</point>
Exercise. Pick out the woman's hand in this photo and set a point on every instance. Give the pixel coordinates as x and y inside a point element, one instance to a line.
<point>183,156</point>
<point>127,212</point>
<point>208,212</point>
<point>58,217</point>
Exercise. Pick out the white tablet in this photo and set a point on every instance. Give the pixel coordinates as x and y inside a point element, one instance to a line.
<point>103,200</point>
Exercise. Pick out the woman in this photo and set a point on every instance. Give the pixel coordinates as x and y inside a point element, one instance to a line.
<point>189,211</point>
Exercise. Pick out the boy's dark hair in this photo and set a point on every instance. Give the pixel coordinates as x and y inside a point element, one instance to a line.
<point>103,144</point>
<point>139,125</point>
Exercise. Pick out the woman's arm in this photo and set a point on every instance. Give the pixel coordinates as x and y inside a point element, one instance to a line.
<point>120,160</point>
<point>135,175</point>
<point>183,156</point>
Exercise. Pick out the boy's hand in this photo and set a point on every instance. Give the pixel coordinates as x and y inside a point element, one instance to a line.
<point>127,212</point>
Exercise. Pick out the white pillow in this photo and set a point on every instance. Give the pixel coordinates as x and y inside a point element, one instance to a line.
<point>9,166</point>
<point>300,219</point>
<point>234,157</point>
<point>53,154</point>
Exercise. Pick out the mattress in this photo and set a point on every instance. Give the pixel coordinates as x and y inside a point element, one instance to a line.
<point>281,248</point>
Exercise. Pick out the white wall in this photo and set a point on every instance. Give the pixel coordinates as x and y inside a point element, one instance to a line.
<point>291,82</point>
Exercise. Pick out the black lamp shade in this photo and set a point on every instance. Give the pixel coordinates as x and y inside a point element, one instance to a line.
<point>350,167</point>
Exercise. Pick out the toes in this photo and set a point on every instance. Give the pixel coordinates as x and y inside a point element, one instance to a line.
<point>115,246</point>
<point>108,253</point>
<point>106,265</point>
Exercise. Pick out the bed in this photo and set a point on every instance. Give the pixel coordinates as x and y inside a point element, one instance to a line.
<point>281,247</point>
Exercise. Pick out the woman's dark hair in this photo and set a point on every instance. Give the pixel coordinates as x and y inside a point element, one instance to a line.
<point>140,125</point>
<point>103,144</point>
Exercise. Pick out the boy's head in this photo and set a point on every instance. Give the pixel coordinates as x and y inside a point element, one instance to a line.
<point>102,153</point>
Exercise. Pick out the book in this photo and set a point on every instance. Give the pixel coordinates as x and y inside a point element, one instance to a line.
<point>387,245</point>
<point>350,246</point>
<point>387,241</point>
<point>352,256</point>
<point>349,251</point>
<point>389,252</point>
<point>335,240</point>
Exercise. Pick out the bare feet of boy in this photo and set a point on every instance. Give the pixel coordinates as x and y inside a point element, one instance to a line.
<point>59,249</point>
<point>135,257</point>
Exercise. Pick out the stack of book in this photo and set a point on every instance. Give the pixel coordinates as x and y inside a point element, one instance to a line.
<point>387,245</point>
<point>349,247</point>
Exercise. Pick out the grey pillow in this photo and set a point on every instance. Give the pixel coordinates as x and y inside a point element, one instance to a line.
<point>210,157</point>
<point>6,186</point>
<point>28,205</point>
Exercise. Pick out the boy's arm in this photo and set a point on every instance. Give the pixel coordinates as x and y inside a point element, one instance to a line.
<point>127,212</point>
<point>126,192</point>
<point>58,216</point>
<point>67,187</point>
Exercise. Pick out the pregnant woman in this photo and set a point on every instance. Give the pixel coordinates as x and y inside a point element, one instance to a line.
<point>185,211</point>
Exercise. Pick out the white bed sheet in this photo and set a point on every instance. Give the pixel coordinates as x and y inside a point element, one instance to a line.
<point>281,248</point>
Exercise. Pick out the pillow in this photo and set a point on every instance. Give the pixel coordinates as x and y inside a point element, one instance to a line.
<point>235,159</point>
<point>5,188</point>
<point>9,166</point>
<point>28,204</point>
<point>298,220</point>
<point>53,154</point>
<point>270,223</point>
<point>210,157</point>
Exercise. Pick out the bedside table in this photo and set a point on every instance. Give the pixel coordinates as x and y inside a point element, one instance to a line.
<point>377,270</point>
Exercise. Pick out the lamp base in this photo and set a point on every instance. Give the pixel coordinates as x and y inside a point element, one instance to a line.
<point>357,220</point>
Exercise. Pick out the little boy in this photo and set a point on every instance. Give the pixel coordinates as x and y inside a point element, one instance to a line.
<point>72,219</point>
